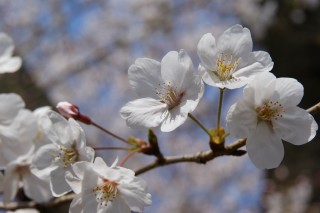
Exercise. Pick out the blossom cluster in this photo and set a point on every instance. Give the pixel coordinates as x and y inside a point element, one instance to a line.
<point>47,155</point>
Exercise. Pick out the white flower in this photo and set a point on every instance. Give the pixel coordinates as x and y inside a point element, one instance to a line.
<point>24,211</point>
<point>267,114</point>
<point>18,173</point>
<point>8,64</point>
<point>104,189</point>
<point>167,91</point>
<point>68,145</point>
<point>230,62</point>
<point>17,128</point>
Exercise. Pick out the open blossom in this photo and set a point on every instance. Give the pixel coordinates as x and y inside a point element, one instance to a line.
<point>168,91</point>
<point>8,64</point>
<point>17,128</point>
<point>104,189</point>
<point>229,62</point>
<point>18,173</point>
<point>68,145</point>
<point>267,114</point>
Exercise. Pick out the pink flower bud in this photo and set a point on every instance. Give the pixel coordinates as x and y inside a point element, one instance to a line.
<point>72,111</point>
<point>68,110</point>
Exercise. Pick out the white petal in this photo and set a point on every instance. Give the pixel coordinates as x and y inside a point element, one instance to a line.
<point>144,112</point>
<point>174,119</point>
<point>6,46</point>
<point>289,91</point>
<point>177,68</point>
<point>296,126</point>
<point>241,120</point>
<point>10,183</point>
<point>76,205</point>
<point>11,65</point>
<point>117,206</point>
<point>10,105</point>
<point>145,77</point>
<point>58,183</point>
<point>207,51</point>
<point>60,132</point>
<point>44,156</point>
<point>192,96</point>
<point>253,63</point>
<point>86,154</point>
<point>208,76</point>
<point>90,203</point>
<point>135,195</point>
<point>260,89</point>
<point>36,188</point>
<point>264,147</point>
<point>235,40</point>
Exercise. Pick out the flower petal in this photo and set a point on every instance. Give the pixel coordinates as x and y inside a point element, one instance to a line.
<point>264,147</point>
<point>11,65</point>
<point>117,206</point>
<point>260,89</point>
<point>134,194</point>
<point>289,91</point>
<point>44,156</point>
<point>145,77</point>
<point>10,105</point>
<point>236,40</point>
<point>296,126</point>
<point>241,120</point>
<point>6,47</point>
<point>76,205</point>
<point>144,112</point>
<point>10,183</point>
<point>174,118</point>
<point>177,68</point>
<point>207,51</point>
<point>253,63</point>
<point>58,183</point>
<point>36,188</point>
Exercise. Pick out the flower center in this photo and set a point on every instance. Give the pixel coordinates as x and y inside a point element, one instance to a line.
<point>168,94</point>
<point>270,110</point>
<point>226,65</point>
<point>67,156</point>
<point>106,192</point>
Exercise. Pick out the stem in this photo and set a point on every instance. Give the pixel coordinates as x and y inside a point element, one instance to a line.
<point>219,109</point>
<point>111,148</point>
<point>127,157</point>
<point>110,133</point>
<point>199,124</point>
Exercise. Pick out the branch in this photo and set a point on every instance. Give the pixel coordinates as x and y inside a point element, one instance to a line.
<point>199,157</point>
<point>205,156</point>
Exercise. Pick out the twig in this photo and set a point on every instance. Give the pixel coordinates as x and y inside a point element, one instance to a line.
<point>199,157</point>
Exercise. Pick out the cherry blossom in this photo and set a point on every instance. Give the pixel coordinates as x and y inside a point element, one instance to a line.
<point>168,91</point>
<point>8,64</point>
<point>68,145</point>
<point>104,189</point>
<point>230,62</point>
<point>268,113</point>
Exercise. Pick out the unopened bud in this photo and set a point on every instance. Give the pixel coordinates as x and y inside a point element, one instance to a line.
<point>72,111</point>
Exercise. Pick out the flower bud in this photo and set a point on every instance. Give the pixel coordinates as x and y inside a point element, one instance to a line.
<point>72,111</point>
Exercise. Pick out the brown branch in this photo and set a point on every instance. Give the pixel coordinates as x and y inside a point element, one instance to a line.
<point>205,156</point>
<point>32,204</point>
<point>199,157</point>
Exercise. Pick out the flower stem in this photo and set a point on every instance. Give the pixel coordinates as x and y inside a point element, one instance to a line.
<point>199,124</point>
<point>128,156</point>
<point>111,148</point>
<point>110,133</point>
<point>220,108</point>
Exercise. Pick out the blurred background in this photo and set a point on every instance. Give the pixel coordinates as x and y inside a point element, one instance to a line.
<point>80,50</point>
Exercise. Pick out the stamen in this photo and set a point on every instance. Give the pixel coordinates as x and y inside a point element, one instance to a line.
<point>226,65</point>
<point>106,192</point>
<point>66,156</point>
<point>169,94</point>
<point>270,110</point>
